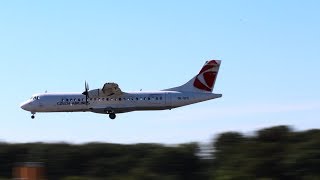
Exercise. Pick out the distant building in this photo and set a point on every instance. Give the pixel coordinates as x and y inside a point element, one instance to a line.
<point>29,171</point>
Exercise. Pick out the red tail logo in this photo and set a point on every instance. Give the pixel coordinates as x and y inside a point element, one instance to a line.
<point>207,76</point>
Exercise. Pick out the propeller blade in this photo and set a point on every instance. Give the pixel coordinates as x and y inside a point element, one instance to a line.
<point>86,93</point>
<point>87,86</point>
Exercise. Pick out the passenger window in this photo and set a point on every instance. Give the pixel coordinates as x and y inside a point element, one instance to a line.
<point>148,98</point>
<point>102,99</point>
<point>119,99</point>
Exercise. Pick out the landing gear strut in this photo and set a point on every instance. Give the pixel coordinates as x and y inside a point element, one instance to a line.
<point>112,115</point>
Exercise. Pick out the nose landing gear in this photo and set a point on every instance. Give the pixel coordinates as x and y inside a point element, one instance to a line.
<point>32,116</point>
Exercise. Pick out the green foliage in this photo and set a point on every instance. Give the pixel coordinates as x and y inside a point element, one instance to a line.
<point>77,178</point>
<point>272,153</point>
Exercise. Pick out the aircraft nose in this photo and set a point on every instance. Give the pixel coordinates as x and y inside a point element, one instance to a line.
<point>25,106</point>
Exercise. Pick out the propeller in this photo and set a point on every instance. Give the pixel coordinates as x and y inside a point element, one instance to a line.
<point>86,91</point>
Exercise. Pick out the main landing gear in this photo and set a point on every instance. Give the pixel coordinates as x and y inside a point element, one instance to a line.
<point>112,115</point>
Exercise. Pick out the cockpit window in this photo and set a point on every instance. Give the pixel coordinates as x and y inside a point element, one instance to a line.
<point>35,97</point>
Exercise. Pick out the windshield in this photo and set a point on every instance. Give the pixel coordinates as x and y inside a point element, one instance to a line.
<point>35,97</point>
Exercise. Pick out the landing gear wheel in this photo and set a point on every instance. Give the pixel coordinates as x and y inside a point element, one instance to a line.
<point>32,116</point>
<point>112,116</point>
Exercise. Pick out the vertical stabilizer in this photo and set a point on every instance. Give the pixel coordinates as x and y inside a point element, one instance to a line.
<point>204,81</point>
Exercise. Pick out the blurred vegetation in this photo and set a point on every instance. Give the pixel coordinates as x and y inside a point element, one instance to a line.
<point>272,153</point>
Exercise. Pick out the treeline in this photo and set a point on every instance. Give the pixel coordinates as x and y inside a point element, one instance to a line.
<point>272,153</point>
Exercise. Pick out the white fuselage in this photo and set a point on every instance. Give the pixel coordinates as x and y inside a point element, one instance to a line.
<point>131,101</point>
<point>110,99</point>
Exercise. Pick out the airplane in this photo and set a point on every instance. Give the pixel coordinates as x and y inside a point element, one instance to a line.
<point>111,100</point>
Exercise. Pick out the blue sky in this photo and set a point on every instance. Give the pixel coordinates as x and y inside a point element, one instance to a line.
<point>269,74</point>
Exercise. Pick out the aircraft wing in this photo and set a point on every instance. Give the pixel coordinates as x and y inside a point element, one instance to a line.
<point>110,89</point>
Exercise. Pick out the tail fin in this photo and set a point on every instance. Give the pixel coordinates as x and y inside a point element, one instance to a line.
<point>204,81</point>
